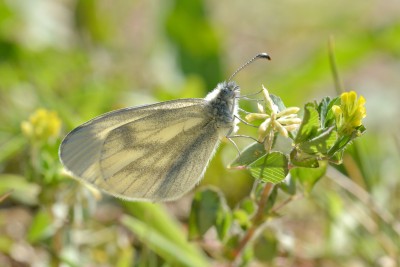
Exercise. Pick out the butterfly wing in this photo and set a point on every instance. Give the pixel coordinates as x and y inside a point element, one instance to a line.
<point>154,152</point>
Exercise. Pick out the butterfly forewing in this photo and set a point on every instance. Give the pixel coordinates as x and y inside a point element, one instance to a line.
<point>154,152</point>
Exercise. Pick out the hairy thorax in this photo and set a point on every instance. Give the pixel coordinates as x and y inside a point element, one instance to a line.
<point>222,104</point>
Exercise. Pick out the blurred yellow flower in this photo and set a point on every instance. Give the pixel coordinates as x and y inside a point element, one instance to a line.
<point>350,113</point>
<point>43,125</point>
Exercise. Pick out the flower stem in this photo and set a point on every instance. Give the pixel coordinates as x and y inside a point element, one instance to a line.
<point>257,220</point>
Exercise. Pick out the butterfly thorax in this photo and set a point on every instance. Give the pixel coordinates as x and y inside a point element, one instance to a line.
<point>223,105</point>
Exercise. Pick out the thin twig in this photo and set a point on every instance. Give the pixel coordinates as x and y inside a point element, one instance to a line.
<point>256,221</point>
<point>6,195</point>
<point>284,203</point>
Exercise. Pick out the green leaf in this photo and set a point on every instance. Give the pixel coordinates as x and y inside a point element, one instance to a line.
<point>242,218</point>
<point>308,177</point>
<point>41,227</point>
<point>247,257</point>
<point>230,245</point>
<point>300,159</point>
<point>11,146</point>
<point>209,209</point>
<point>272,167</point>
<point>248,205</point>
<point>266,246</point>
<point>200,55</point>
<point>343,141</point>
<point>360,130</point>
<point>125,257</point>
<point>288,185</point>
<point>310,124</point>
<point>223,223</point>
<point>164,246</point>
<point>278,102</point>
<point>271,201</point>
<point>321,144</point>
<point>244,212</point>
<point>22,190</point>
<point>154,218</point>
<point>249,154</point>
<point>325,111</point>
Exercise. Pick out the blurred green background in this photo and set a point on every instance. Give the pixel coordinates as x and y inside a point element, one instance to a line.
<point>84,58</point>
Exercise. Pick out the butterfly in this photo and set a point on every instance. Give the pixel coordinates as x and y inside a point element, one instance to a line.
<point>155,152</point>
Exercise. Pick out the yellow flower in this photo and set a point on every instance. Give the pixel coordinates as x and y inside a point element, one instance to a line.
<point>350,113</point>
<point>42,125</point>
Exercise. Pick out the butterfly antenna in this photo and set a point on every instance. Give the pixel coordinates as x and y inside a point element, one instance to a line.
<point>261,55</point>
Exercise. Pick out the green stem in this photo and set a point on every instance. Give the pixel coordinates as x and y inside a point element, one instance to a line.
<point>257,220</point>
<point>332,63</point>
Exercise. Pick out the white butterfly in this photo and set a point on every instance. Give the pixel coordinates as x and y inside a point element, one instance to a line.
<point>153,152</point>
